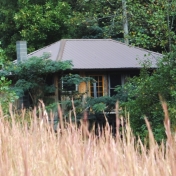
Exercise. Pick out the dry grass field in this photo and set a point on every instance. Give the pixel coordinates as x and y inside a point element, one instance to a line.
<point>35,149</point>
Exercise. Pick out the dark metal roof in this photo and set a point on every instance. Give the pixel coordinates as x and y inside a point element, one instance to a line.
<point>98,54</point>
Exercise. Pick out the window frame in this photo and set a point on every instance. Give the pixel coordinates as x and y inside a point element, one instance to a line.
<point>68,91</point>
<point>122,76</point>
<point>91,94</point>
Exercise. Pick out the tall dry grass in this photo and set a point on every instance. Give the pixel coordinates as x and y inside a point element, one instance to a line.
<point>35,149</point>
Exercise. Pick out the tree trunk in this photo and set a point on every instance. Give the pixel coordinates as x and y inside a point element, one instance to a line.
<point>125,22</point>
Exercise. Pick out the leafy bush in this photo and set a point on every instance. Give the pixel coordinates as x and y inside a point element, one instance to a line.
<point>74,98</point>
<point>143,97</point>
<point>7,95</point>
<point>100,104</point>
<point>30,76</point>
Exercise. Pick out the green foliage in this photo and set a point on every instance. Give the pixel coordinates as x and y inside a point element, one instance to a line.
<point>143,101</point>
<point>75,79</point>
<point>40,23</point>
<point>152,23</point>
<point>78,105</point>
<point>107,103</point>
<point>52,107</point>
<point>71,80</point>
<point>2,58</point>
<point>31,75</point>
<point>99,107</point>
<point>7,95</point>
<point>143,97</point>
<point>97,18</point>
<point>100,104</point>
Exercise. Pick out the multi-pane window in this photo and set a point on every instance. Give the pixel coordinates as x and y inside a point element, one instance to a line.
<point>96,88</point>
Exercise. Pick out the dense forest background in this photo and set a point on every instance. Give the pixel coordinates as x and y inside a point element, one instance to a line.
<point>151,24</point>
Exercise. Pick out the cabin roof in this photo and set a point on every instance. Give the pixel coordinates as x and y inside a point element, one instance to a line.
<point>98,54</point>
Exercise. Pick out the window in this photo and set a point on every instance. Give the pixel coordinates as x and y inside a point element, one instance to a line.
<point>114,80</point>
<point>68,83</point>
<point>96,89</point>
<point>69,87</point>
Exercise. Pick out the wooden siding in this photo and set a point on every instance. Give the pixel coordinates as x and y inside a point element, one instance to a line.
<point>82,87</point>
<point>85,88</point>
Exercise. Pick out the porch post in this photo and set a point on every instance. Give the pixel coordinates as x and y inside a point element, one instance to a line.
<point>95,90</point>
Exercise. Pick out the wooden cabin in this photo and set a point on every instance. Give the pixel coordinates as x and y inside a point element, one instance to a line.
<point>108,61</point>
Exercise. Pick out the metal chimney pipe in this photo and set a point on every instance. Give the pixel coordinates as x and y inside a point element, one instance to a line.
<point>21,49</point>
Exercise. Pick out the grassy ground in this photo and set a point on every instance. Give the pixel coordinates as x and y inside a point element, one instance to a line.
<point>35,149</point>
